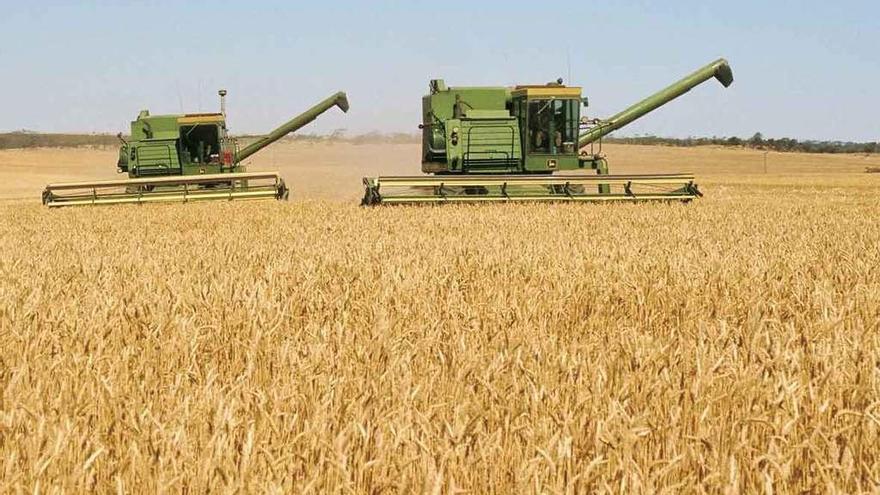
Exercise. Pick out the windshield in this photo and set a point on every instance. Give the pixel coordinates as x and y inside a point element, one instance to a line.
<point>200,143</point>
<point>553,126</point>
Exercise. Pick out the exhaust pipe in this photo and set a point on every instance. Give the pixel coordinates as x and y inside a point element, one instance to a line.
<point>222,94</point>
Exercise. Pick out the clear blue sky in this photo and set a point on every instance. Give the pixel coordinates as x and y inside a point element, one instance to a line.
<point>804,69</point>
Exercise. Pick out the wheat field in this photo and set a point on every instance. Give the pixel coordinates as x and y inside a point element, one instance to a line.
<point>729,345</point>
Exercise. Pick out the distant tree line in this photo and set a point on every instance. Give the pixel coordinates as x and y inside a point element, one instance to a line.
<point>27,139</point>
<point>757,141</point>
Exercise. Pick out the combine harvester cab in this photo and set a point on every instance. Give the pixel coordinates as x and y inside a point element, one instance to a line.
<point>189,157</point>
<point>507,144</point>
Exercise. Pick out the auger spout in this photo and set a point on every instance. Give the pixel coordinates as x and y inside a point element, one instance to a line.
<point>719,69</point>
<point>338,100</point>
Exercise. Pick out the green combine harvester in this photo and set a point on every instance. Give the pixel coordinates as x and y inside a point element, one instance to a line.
<point>506,144</point>
<point>188,157</point>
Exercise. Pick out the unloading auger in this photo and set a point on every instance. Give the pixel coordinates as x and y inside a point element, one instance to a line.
<point>188,157</point>
<point>506,144</point>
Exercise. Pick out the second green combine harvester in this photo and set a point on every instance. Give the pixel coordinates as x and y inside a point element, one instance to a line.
<point>186,157</point>
<point>505,144</point>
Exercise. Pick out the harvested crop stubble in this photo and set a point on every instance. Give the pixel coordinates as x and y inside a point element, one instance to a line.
<point>312,347</point>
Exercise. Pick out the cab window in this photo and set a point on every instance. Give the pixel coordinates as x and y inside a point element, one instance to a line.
<point>553,126</point>
<point>200,143</point>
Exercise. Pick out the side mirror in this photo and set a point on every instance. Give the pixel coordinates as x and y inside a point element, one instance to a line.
<point>585,101</point>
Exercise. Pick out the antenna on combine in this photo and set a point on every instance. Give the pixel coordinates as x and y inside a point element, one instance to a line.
<point>179,95</point>
<point>568,63</point>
